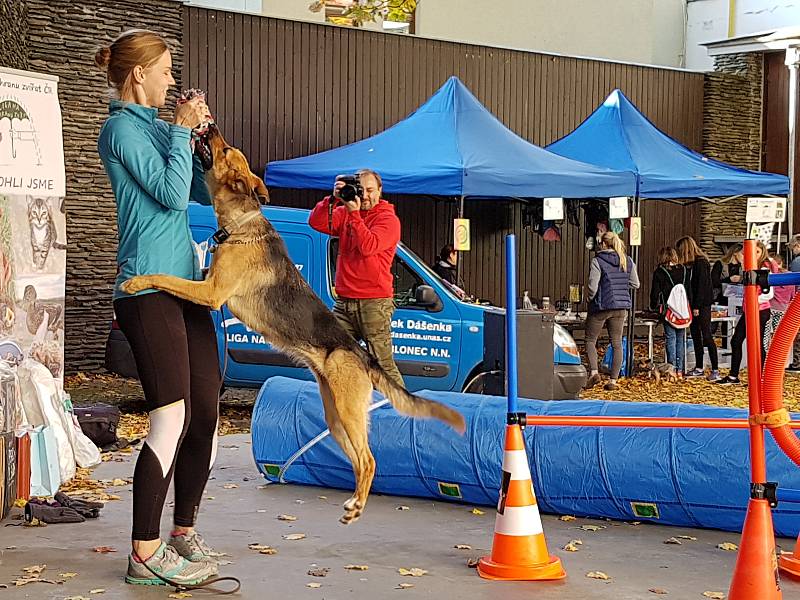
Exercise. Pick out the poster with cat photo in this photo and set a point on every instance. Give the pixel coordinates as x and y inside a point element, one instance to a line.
<point>33,239</point>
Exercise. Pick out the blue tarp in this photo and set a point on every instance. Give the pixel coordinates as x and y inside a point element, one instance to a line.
<point>616,135</point>
<point>688,477</point>
<point>453,146</point>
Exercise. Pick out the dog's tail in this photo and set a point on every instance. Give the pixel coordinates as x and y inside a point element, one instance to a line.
<point>409,404</point>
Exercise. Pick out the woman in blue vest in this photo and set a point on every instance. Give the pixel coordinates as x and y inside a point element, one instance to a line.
<point>611,278</point>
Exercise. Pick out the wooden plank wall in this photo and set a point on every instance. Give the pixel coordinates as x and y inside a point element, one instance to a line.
<point>282,89</point>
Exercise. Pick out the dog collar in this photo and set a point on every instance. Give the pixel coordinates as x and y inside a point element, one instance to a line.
<point>223,233</point>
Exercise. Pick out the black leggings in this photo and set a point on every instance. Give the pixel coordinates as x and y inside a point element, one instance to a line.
<point>739,335</point>
<point>702,338</point>
<point>175,348</point>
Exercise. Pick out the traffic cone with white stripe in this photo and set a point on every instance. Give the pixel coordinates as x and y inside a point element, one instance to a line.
<point>519,551</point>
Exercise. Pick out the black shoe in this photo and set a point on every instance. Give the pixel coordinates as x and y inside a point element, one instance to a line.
<point>728,380</point>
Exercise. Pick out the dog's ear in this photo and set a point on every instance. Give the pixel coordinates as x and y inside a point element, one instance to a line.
<point>260,189</point>
<point>237,182</point>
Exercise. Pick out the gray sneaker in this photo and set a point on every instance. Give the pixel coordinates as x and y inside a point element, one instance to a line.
<point>167,563</point>
<point>194,548</point>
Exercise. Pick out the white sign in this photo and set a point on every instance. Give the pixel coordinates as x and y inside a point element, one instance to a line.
<point>618,207</point>
<point>31,146</point>
<point>636,231</point>
<point>762,233</point>
<point>461,235</point>
<point>766,210</point>
<point>553,209</point>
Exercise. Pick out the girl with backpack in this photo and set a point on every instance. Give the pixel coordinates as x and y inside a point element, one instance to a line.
<point>666,277</point>
<point>611,277</point>
<point>702,294</point>
<point>739,334</point>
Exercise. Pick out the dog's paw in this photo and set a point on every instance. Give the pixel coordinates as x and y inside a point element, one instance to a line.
<point>135,285</point>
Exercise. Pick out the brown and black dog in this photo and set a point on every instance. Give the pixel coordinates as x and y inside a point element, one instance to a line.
<point>252,272</point>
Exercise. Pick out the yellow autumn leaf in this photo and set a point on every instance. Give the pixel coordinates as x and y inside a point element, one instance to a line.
<point>728,547</point>
<point>686,537</point>
<point>67,575</point>
<point>714,595</point>
<point>180,595</point>
<point>672,540</point>
<point>20,503</point>
<point>230,486</point>
<point>313,585</point>
<point>597,575</point>
<point>356,567</point>
<point>572,546</point>
<point>566,518</point>
<point>477,511</point>
<point>404,586</point>
<point>97,591</point>
<point>34,569</point>
<point>294,536</point>
<point>287,518</point>
<point>592,527</point>
<point>414,572</point>
<point>659,591</point>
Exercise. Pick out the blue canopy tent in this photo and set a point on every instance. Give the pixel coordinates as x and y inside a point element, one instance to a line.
<point>618,136</point>
<point>453,146</point>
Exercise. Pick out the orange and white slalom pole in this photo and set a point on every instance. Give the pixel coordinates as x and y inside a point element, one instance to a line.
<point>519,551</point>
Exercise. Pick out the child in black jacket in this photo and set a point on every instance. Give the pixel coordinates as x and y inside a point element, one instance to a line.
<point>667,275</point>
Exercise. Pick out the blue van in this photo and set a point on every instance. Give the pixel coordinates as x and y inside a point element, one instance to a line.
<point>438,339</point>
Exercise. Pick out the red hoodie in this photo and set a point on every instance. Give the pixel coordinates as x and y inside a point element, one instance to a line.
<point>367,244</point>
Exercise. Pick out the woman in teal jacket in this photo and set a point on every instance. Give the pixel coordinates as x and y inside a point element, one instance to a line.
<point>154,174</point>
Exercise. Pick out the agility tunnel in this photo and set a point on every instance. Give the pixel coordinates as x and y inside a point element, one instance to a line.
<point>675,476</point>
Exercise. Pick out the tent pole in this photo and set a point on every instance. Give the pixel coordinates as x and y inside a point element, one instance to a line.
<point>792,61</point>
<point>629,354</point>
<point>459,264</point>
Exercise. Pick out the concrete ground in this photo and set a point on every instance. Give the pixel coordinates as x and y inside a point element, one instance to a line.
<point>385,539</point>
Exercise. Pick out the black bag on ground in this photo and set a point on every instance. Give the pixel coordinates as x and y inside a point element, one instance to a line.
<point>99,423</point>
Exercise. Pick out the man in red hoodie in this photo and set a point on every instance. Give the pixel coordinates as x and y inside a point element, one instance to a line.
<point>368,231</point>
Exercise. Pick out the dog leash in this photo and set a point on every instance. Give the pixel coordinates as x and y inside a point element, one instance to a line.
<point>203,585</point>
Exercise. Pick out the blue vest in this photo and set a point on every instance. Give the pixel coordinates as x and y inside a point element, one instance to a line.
<point>614,290</point>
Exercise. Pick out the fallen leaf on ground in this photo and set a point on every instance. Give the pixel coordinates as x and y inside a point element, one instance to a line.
<point>592,527</point>
<point>287,518</point>
<point>672,540</point>
<point>714,595</point>
<point>573,545</point>
<point>67,575</point>
<point>263,486</point>
<point>294,536</point>
<point>299,501</point>
<point>76,598</point>
<point>321,572</point>
<point>104,549</point>
<point>477,511</point>
<point>404,586</point>
<point>314,585</point>
<point>209,497</point>
<point>566,518</point>
<point>34,569</point>
<point>597,575</point>
<point>20,503</point>
<point>261,510</point>
<point>263,549</point>
<point>97,591</point>
<point>728,546</point>
<point>180,595</point>
<point>659,591</point>
<point>686,537</point>
<point>322,497</point>
<point>356,567</point>
<point>230,486</point>
<point>472,563</point>
<point>462,547</point>
<point>414,572</point>
<point>119,482</point>
<point>403,507</point>
<point>634,523</point>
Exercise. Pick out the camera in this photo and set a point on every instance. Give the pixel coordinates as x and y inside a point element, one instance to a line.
<point>351,189</point>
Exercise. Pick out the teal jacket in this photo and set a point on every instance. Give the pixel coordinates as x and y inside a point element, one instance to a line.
<point>153,175</point>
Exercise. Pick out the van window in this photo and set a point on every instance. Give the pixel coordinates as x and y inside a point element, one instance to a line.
<point>406,279</point>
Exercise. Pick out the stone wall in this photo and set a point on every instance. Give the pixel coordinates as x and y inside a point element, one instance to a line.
<point>731,133</point>
<point>63,37</point>
<point>14,34</point>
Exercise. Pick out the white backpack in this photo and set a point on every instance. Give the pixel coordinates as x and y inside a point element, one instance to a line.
<point>678,313</point>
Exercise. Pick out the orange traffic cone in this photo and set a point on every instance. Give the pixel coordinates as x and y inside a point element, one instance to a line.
<point>789,562</point>
<point>756,573</point>
<point>519,551</point>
